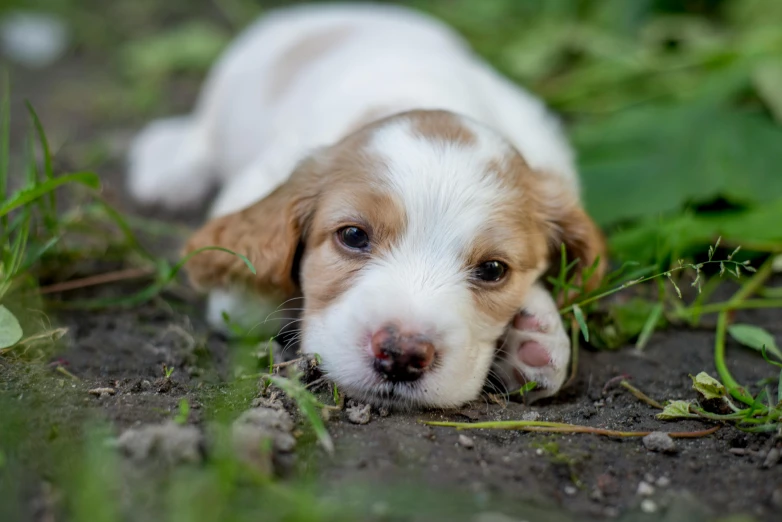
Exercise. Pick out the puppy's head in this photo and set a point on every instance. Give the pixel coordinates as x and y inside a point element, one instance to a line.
<point>413,242</point>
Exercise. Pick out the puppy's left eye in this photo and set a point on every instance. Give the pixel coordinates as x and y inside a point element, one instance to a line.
<point>491,271</point>
<point>353,238</point>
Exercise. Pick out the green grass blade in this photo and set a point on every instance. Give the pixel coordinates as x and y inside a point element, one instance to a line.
<point>122,223</point>
<point>779,389</point>
<point>649,326</point>
<point>309,407</point>
<point>5,138</point>
<point>155,288</point>
<point>50,209</point>
<point>581,320</point>
<point>30,194</point>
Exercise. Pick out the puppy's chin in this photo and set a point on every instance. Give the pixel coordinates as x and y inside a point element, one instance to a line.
<point>456,379</point>
<point>406,396</point>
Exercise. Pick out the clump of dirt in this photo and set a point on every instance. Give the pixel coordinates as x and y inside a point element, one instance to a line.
<point>169,443</point>
<point>263,437</point>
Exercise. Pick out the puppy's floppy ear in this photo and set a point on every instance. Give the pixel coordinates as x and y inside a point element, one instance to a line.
<point>567,222</point>
<point>269,233</point>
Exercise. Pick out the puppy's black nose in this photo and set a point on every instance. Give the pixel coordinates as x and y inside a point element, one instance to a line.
<point>401,356</point>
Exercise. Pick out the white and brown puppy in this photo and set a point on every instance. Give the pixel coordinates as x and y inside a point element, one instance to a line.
<point>371,163</point>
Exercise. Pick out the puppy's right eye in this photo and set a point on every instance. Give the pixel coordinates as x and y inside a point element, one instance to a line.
<point>353,238</point>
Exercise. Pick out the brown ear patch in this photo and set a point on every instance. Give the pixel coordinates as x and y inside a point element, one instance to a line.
<point>568,223</point>
<point>268,233</point>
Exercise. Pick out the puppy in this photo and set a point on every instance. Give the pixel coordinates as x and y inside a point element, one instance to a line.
<point>369,163</point>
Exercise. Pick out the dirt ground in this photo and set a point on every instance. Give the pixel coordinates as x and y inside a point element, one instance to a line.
<point>534,477</point>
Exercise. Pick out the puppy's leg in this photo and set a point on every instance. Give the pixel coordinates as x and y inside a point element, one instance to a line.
<point>251,312</point>
<point>535,347</point>
<point>170,163</point>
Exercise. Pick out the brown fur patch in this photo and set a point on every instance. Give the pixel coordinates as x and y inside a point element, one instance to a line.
<point>441,126</point>
<point>322,195</point>
<point>560,216</point>
<point>267,233</point>
<point>328,268</point>
<point>300,55</point>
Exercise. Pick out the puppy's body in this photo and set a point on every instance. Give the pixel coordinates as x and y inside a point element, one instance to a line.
<point>305,77</point>
<point>477,170</point>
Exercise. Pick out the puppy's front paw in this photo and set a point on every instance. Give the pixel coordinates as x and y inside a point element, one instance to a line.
<point>535,348</point>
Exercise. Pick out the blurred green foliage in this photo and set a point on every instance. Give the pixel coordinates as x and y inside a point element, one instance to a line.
<point>672,104</point>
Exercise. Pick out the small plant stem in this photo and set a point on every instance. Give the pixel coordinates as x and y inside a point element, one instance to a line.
<point>65,372</point>
<point>641,280</point>
<point>719,362</point>
<point>99,279</point>
<point>755,282</point>
<point>726,306</point>
<point>560,427</point>
<point>287,363</point>
<point>575,348</point>
<point>638,394</point>
<point>744,292</point>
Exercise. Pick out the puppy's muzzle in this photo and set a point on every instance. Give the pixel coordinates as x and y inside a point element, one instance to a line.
<point>401,356</point>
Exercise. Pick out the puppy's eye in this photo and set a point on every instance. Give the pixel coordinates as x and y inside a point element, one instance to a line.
<point>353,238</point>
<point>490,271</point>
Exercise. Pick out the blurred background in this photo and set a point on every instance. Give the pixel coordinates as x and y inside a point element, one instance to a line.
<point>674,106</point>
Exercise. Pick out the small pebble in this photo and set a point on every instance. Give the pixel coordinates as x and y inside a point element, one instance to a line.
<point>648,506</point>
<point>466,442</point>
<point>645,489</point>
<point>776,497</point>
<point>530,416</point>
<point>570,490</point>
<point>102,392</point>
<point>648,477</point>
<point>359,413</point>
<point>663,482</point>
<point>772,458</point>
<point>659,441</point>
<point>383,412</point>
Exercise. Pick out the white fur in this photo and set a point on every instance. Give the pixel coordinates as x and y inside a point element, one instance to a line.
<point>553,337</point>
<point>423,282</point>
<point>396,60</point>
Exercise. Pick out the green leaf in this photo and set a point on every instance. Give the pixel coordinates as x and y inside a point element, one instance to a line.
<point>755,337</point>
<point>689,233</point>
<point>767,78</point>
<point>581,320</point>
<point>676,410</point>
<point>528,387</point>
<point>27,195</point>
<point>708,386</point>
<point>647,160</point>
<point>10,329</point>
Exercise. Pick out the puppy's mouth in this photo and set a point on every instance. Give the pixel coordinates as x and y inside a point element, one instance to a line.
<point>397,395</point>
